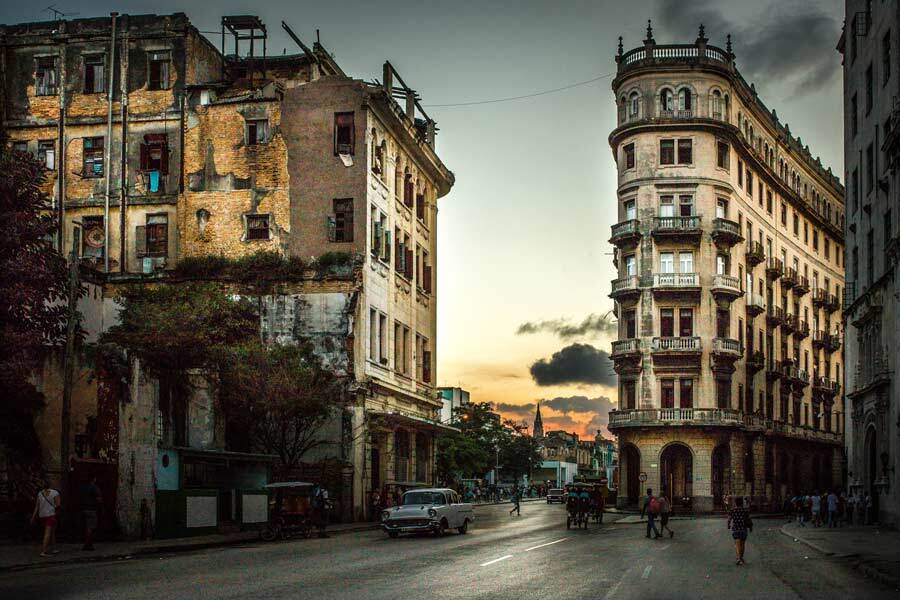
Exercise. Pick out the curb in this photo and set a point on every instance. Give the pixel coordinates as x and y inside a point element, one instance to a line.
<point>867,570</point>
<point>150,551</point>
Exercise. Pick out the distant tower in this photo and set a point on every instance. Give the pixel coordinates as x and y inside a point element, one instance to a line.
<point>538,429</point>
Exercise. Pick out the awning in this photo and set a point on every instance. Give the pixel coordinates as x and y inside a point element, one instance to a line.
<point>419,422</point>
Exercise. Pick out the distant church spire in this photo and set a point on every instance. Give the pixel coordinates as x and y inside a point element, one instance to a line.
<point>538,429</point>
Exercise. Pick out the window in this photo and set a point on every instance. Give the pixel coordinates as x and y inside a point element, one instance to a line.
<point>740,173</point>
<point>796,225</point>
<point>155,154</point>
<point>257,132</point>
<point>667,262</point>
<point>667,152</point>
<point>666,206</point>
<point>805,232</point>
<point>886,58</point>
<point>628,393</point>
<point>870,257</point>
<point>92,239</point>
<point>92,152</point>
<point>94,67</point>
<point>723,323</point>
<point>666,100</point>
<point>340,223</point>
<point>685,152</point>
<point>750,183</point>
<point>854,111</point>
<point>783,214</point>
<point>630,266</point>
<point>815,239</point>
<point>686,322</point>
<point>667,388</point>
<point>157,235</point>
<point>344,133</point>
<point>769,201</point>
<point>381,245</point>
<point>722,264</point>
<point>420,206</point>
<point>869,84</point>
<point>827,249</point>
<point>158,71</point>
<point>870,169</point>
<point>47,153</point>
<point>629,156</point>
<point>20,146</point>
<point>409,189</point>
<point>686,393</point>
<point>382,338</point>
<point>685,206</point>
<point>373,334</point>
<point>684,99</point>
<point>722,154</point>
<point>45,76</point>
<point>634,105</point>
<point>667,322</point>
<point>630,210</point>
<point>686,262</point>
<point>723,393</point>
<point>630,324</point>
<point>721,208</point>
<point>257,227</point>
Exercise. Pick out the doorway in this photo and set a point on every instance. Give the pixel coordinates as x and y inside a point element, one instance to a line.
<point>632,459</point>
<point>721,474</point>
<point>677,473</point>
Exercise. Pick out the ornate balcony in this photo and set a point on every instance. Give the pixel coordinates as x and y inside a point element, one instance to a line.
<point>756,361</point>
<point>832,343</point>
<point>626,356</point>
<point>789,279</point>
<point>625,234</point>
<point>825,386</point>
<point>676,282</point>
<point>687,229</point>
<point>801,288</point>
<point>801,432</point>
<point>625,288</point>
<point>774,316</point>
<point>726,233</point>
<point>773,369</point>
<point>726,288</point>
<point>755,254</point>
<point>676,354</point>
<point>676,114</point>
<point>789,325</point>
<point>774,268</point>
<point>716,417</point>
<point>820,298</point>
<point>676,344</point>
<point>833,304</point>
<point>626,347</point>
<point>801,331</point>
<point>727,347</point>
<point>820,338</point>
<point>756,305</point>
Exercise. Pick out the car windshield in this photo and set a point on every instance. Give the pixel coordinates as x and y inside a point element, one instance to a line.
<point>422,498</point>
<point>555,491</point>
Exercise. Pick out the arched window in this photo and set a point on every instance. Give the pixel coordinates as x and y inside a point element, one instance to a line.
<point>623,107</point>
<point>398,178</point>
<point>684,99</point>
<point>666,100</point>
<point>727,107</point>
<point>634,105</point>
<point>716,104</point>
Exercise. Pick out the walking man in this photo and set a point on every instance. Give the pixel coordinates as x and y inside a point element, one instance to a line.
<point>832,501</point>
<point>515,498</point>
<point>651,507</point>
<point>665,509</point>
<point>816,509</point>
<point>91,501</point>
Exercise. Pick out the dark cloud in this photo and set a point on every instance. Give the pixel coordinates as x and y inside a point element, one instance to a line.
<point>592,324</point>
<point>791,42</point>
<point>580,404</point>
<point>521,410</point>
<point>578,363</point>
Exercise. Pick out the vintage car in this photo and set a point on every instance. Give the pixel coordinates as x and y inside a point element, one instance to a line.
<point>432,510</point>
<point>556,495</point>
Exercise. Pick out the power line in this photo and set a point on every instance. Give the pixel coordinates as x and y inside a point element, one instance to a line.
<point>511,98</point>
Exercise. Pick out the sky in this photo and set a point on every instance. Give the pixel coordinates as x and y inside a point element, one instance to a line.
<point>523,265</point>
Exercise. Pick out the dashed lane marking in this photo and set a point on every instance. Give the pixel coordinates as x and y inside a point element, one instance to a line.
<point>496,560</point>
<point>666,547</point>
<point>647,572</point>
<point>547,544</point>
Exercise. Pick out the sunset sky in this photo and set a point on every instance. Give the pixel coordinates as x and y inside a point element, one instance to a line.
<point>523,264</point>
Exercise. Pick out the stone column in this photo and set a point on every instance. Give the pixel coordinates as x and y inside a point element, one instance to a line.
<point>736,445</point>
<point>758,447</point>
<point>702,485</point>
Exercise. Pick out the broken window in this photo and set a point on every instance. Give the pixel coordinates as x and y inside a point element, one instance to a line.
<point>47,153</point>
<point>344,133</point>
<point>45,76</point>
<point>257,132</point>
<point>158,70</point>
<point>629,156</point>
<point>340,223</point>
<point>92,152</point>
<point>258,227</point>
<point>155,160</point>
<point>94,74</point>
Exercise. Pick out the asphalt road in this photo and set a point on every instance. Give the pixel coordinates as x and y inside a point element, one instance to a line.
<point>532,556</point>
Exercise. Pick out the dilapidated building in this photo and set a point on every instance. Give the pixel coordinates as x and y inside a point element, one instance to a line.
<point>159,146</point>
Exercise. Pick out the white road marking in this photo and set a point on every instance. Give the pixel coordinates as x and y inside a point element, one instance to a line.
<point>647,572</point>
<point>547,544</point>
<point>661,548</point>
<point>490,562</point>
<point>612,591</point>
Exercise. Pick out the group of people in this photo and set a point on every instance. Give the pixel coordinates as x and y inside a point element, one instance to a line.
<point>657,507</point>
<point>585,499</point>
<point>831,509</point>
<point>48,507</point>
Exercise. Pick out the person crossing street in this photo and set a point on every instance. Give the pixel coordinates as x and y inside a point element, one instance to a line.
<point>651,507</point>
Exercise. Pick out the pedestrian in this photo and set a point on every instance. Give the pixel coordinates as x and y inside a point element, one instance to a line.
<point>848,511</point>
<point>832,501</point>
<point>91,503</point>
<point>651,507</point>
<point>867,503</point>
<point>788,509</point>
<point>665,510</point>
<point>320,506</point>
<point>739,522</point>
<point>515,498</point>
<point>816,508</point>
<point>46,507</point>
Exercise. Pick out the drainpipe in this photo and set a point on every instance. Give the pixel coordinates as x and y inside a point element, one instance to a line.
<point>124,149</point>
<point>61,163</point>
<point>108,145</point>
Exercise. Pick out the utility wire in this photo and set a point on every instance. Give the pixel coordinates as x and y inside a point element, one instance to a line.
<point>511,98</point>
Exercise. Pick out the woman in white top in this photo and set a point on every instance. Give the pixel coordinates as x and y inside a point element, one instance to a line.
<point>45,507</point>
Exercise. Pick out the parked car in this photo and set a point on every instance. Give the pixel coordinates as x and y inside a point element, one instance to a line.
<point>432,510</point>
<point>556,495</point>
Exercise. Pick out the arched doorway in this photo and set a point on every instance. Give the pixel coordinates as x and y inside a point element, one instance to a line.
<point>632,459</point>
<point>721,474</point>
<point>871,472</point>
<point>678,473</point>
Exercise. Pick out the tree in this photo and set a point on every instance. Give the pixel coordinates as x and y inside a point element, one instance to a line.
<point>520,454</point>
<point>461,456</point>
<point>277,398</point>
<point>32,306</point>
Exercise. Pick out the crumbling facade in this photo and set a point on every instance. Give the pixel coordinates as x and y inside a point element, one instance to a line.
<point>159,146</point>
<point>729,248</point>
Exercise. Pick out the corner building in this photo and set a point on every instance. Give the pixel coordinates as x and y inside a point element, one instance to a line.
<point>729,254</point>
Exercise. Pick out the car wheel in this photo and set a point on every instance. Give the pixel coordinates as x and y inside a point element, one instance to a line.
<point>441,528</point>
<point>462,529</point>
<point>269,533</point>
<point>393,534</point>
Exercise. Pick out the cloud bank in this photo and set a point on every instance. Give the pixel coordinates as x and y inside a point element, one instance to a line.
<point>593,324</point>
<point>574,364</point>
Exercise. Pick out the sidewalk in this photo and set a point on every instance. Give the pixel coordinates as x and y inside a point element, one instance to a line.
<point>874,551</point>
<point>17,557</point>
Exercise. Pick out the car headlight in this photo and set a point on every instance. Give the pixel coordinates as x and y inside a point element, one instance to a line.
<point>432,512</point>
<point>385,516</point>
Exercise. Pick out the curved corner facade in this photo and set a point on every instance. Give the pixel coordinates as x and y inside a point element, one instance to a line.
<point>729,252</point>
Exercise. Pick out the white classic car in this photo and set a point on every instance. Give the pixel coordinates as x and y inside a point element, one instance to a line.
<point>428,510</point>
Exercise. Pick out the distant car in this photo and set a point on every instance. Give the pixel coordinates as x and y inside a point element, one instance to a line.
<point>433,510</point>
<point>556,495</point>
